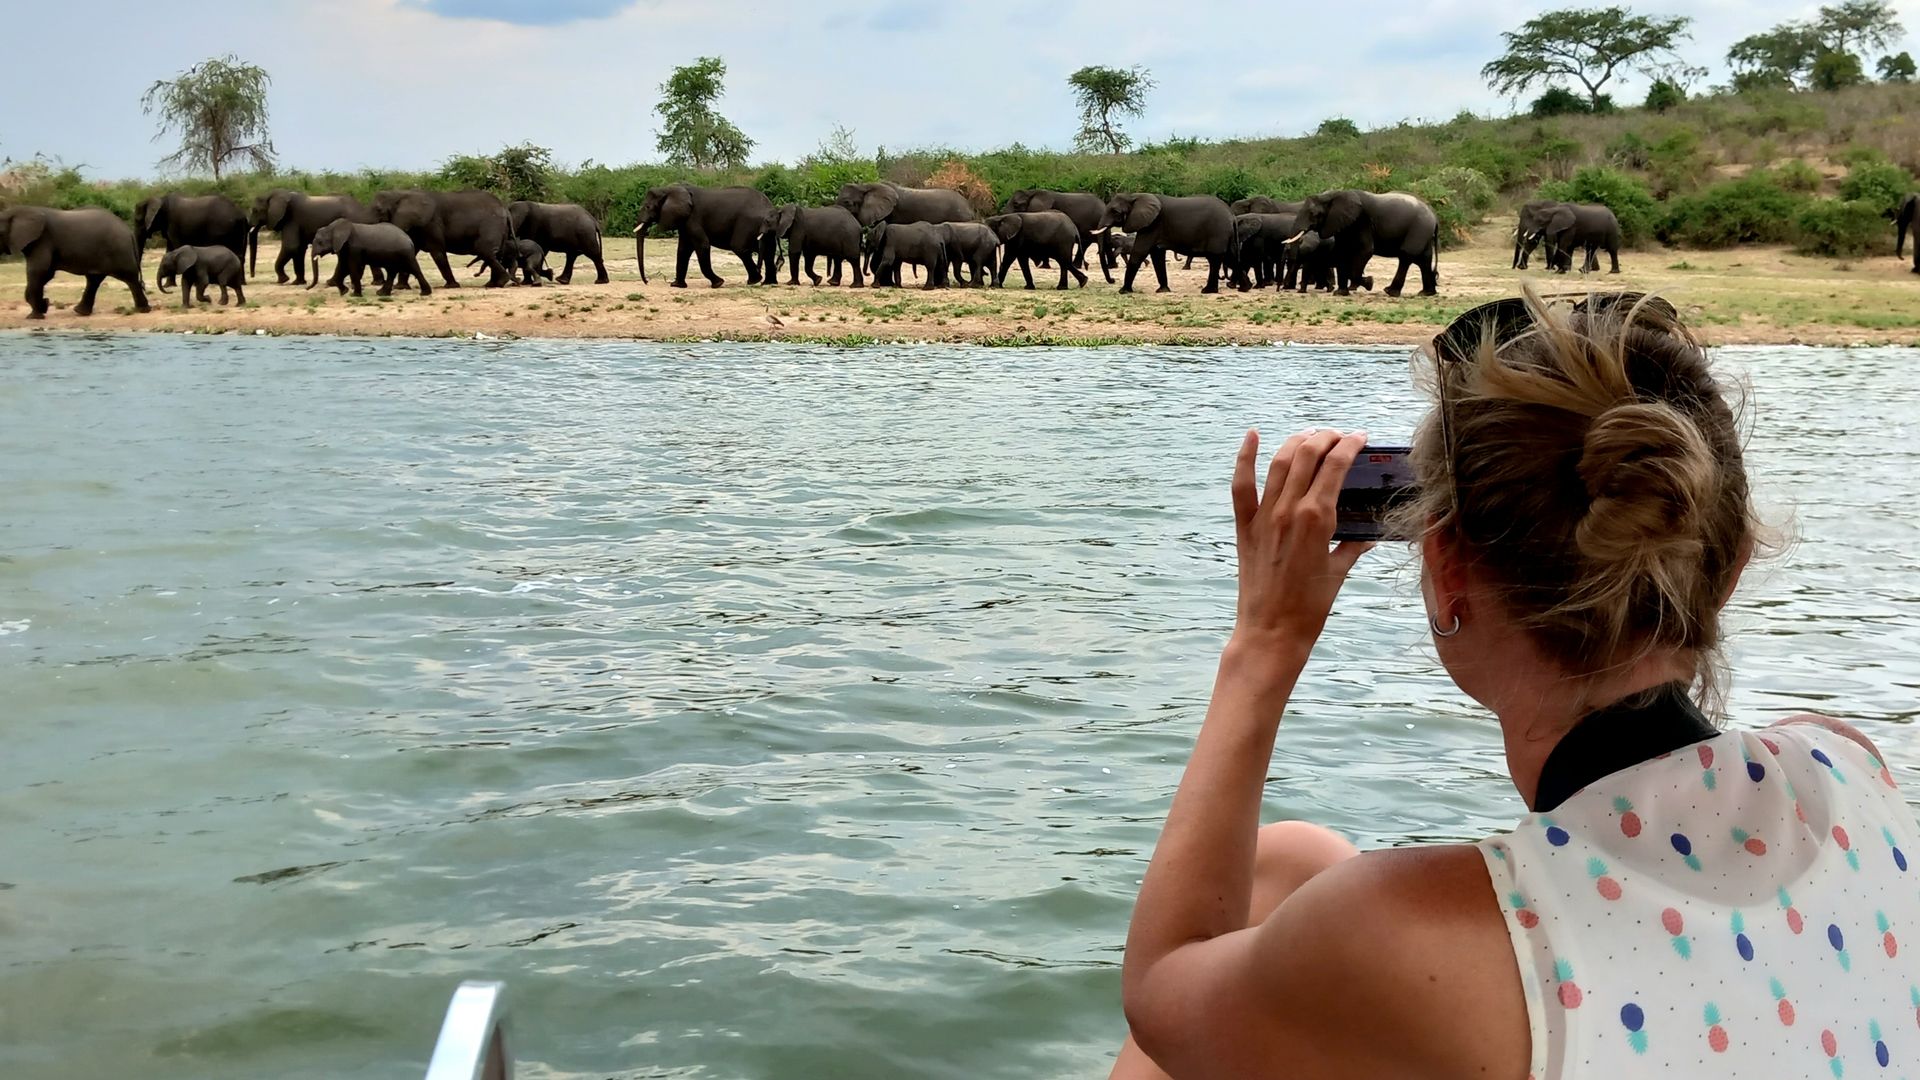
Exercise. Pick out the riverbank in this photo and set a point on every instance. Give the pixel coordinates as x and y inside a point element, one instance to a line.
<point>1745,295</point>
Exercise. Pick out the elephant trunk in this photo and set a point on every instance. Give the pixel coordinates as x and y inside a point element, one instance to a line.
<point>160,281</point>
<point>640,251</point>
<point>314,279</point>
<point>253,251</point>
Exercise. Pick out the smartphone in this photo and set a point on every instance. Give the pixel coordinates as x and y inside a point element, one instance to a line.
<point>1380,480</point>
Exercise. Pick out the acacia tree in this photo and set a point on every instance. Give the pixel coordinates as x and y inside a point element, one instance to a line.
<point>219,109</point>
<point>691,132</point>
<point>1898,68</point>
<point>1586,44</point>
<point>1821,53</point>
<point>1780,57</point>
<point>1102,93</point>
<point>1858,25</point>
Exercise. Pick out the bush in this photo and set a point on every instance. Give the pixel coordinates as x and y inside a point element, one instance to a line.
<point>1875,180</point>
<point>1753,209</point>
<point>1797,175</point>
<point>1338,127</point>
<point>1461,198</point>
<point>1629,151</point>
<point>1836,70</point>
<point>1676,162</point>
<point>954,174</point>
<point>1663,95</point>
<point>1559,101</point>
<point>1839,228</point>
<point>1229,182</point>
<point>516,172</point>
<point>1627,197</point>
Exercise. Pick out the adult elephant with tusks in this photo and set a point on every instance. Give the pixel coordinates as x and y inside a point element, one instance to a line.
<point>1908,217</point>
<point>1083,209</point>
<point>296,216</point>
<point>1527,227</point>
<point>191,220</point>
<point>560,229</point>
<point>457,222</point>
<point>93,243</point>
<point>871,204</point>
<point>1199,225</point>
<point>1362,224</point>
<point>733,218</point>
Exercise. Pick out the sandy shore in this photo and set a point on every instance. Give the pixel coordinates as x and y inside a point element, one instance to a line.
<point>1749,295</point>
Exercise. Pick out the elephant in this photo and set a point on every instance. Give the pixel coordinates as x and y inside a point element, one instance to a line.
<point>1309,263</point>
<point>1024,236</point>
<point>182,220</point>
<point>1260,244</point>
<point>1908,217</point>
<point>382,244</point>
<point>1361,224</point>
<point>1526,230</point>
<point>526,259</point>
<point>1187,224</point>
<point>871,204</point>
<point>971,246</point>
<point>918,242</point>
<point>1262,204</point>
<point>442,222</point>
<point>1114,246</point>
<point>296,216</point>
<point>95,244</point>
<point>732,217</point>
<point>1567,226</point>
<point>561,229</point>
<point>1086,211</point>
<point>811,232</point>
<point>198,267</point>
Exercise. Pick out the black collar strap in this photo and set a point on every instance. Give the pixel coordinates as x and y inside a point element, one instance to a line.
<point>1620,736</point>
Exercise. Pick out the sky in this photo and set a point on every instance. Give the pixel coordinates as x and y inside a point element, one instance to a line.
<point>408,83</point>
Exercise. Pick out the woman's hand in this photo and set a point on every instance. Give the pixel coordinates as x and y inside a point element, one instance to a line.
<point>1288,573</point>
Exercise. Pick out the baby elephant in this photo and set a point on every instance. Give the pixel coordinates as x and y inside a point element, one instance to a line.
<point>1046,234</point>
<point>384,247</point>
<point>918,242</point>
<point>812,232</point>
<point>970,247</point>
<point>526,259</point>
<point>198,267</point>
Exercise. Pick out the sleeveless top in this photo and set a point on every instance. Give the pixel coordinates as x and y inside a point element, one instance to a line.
<point>1734,908</point>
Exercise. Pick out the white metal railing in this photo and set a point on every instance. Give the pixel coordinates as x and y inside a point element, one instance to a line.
<point>473,1042</point>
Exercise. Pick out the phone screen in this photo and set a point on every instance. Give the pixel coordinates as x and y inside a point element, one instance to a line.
<point>1380,480</point>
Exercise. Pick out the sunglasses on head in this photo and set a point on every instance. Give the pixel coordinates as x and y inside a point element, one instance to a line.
<point>1510,319</point>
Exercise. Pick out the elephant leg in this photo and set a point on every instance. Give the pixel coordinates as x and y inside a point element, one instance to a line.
<point>682,254</point>
<point>1134,259</point>
<point>439,256</point>
<point>1160,268</point>
<point>39,272</point>
<point>1066,264</point>
<point>1400,277</point>
<point>85,306</point>
<point>1213,274</point>
<point>239,295</point>
<point>138,288</point>
<point>566,272</point>
<point>1026,270</point>
<point>1006,263</point>
<point>413,266</point>
<point>1430,272</point>
<point>1613,254</point>
<point>289,254</point>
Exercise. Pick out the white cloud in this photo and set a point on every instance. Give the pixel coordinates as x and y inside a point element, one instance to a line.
<point>407,83</point>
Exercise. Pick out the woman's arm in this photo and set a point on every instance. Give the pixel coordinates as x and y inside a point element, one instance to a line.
<point>1199,884</point>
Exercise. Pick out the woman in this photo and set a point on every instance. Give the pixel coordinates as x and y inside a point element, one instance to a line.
<point>1681,902</point>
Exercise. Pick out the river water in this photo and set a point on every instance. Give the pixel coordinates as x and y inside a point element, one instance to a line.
<point>754,711</point>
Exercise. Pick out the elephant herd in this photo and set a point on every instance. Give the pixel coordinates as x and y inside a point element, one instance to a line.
<point>1326,240</point>
<point>211,242</point>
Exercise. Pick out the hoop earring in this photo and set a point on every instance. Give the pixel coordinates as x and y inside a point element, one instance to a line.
<point>1434,624</point>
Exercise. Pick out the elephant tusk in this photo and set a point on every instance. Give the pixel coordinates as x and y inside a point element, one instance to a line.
<point>1295,238</point>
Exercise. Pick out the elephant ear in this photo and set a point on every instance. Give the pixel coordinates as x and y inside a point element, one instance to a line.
<point>784,219</point>
<point>882,200</point>
<point>25,229</point>
<point>151,214</point>
<point>278,204</point>
<point>1145,211</point>
<point>1247,226</point>
<point>184,258</point>
<point>679,202</point>
<point>1558,219</point>
<point>1343,213</point>
<point>1006,226</point>
<point>1039,200</point>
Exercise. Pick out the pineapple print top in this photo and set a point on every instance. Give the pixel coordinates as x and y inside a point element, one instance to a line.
<point>1731,908</point>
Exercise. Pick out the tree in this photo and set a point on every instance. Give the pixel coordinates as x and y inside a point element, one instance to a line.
<point>1103,93</point>
<point>1338,127</point>
<point>1898,68</point>
<point>1857,25</point>
<point>1587,44</point>
<point>692,133</point>
<point>1779,57</point>
<point>219,108</point>
<point>1833,70</point>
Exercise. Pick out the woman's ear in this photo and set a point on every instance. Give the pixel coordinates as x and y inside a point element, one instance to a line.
<point>1447,571</point>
